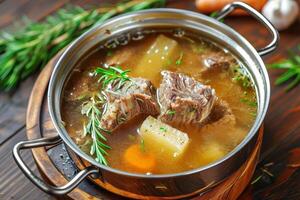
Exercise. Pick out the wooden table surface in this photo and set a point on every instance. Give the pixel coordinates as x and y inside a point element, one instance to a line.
<point>280,159</point>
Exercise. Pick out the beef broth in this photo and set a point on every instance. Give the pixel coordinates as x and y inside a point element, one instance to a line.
<point>224,107</point>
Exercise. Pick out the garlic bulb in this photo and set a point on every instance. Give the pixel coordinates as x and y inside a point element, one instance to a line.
<point>281,13</point>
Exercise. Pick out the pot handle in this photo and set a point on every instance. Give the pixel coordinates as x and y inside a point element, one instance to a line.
<point>231,7</point>
<point>50,189</point>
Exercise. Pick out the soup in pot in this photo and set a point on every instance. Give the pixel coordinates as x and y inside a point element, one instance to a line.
<point>159,103</point>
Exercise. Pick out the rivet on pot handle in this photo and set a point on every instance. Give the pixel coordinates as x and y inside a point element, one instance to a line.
<point>231,7</point>
<point>50,189</point>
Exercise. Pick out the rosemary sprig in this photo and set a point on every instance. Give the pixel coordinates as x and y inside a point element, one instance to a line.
<point>28,50</point>
<point>112,75</point>
<point>93,127</point>
<point>291,66</point>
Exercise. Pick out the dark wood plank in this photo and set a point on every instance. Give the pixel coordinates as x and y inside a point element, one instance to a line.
<point>13,183</point>
<point>13,109</point>
<point>13,105</point>
<point>281,124</point>
<point>13,10</point>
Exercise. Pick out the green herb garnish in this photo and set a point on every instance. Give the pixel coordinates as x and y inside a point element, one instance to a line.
<point>170,112</point>
<point>215,14</point>
<point>249,102</point>
<point>28,50</point>
<point>112,74</point>
<point>199,49</point>
<point>240,76</point>
<point>167,63</point>
<point>292,71</point>
<point>93,128</point>
<point>253,114</point>
<point>163,129</point>
<point>179,60</point>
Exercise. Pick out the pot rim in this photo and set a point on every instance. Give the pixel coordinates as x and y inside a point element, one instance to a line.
<point>252,132</point>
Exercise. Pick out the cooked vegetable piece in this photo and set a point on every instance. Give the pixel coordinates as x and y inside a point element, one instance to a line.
<point>208,6</point>
<point>139,158</point>
<point>158,57</point>
<point>164,138</point>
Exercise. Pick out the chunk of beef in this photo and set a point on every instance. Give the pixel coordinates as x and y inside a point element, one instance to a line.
<point>221,114</point>
<point>183,99</point>
<point>131,99</point>
<point>217,62</point>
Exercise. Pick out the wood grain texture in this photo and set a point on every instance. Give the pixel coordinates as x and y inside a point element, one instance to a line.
<point>282,124</point>
<point>14,184</point>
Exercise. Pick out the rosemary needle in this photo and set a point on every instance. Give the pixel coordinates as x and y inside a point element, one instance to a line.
<point>291,66</point>
<point>24,52</point>
<point>112,74</point>
<point>93,128</point>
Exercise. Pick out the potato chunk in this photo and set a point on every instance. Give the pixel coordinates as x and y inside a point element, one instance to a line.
<point>163,137</point>
<point>162,53</point>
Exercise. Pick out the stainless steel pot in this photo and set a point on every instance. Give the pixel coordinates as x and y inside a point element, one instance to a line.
<point>168,185</point>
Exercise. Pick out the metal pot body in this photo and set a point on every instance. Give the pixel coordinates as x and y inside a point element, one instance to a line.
<point>169,185</point>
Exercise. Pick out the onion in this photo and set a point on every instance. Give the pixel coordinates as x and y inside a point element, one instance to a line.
<point>281,13</point>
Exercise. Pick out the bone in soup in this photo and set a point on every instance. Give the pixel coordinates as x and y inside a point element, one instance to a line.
<point>159,103</point>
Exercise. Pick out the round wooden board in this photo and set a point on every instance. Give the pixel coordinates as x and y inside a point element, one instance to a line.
<point>57,167</point>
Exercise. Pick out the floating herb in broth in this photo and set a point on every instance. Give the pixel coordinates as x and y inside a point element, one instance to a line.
<point>112,74</point>
<point>132,76</point>
<point>240,76</point>
<point>92,110</point>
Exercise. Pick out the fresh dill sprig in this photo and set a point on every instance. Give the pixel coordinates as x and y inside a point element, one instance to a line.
<point>112,75</point>
<point>24,52</point>
<point>93,128</point>
<point>291,66</point>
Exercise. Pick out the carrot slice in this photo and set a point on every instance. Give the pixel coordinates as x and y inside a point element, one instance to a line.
<point>140,160</point>
<point>208,6</point>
